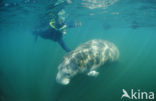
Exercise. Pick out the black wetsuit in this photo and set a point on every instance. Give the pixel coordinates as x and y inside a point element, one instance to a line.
<point>53,34</point>
<point>49,32</point>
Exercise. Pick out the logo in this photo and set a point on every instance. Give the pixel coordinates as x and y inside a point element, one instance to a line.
<point>137,95</point>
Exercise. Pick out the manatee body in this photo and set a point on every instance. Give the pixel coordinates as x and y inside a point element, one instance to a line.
<point>85,59</point>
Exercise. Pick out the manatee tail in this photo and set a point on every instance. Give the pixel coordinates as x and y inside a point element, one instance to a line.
<point>63,45</point>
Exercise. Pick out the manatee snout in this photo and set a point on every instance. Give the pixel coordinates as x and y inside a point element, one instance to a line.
<point>62,79</point>
<point>66,70</point>
<point>63,76</point>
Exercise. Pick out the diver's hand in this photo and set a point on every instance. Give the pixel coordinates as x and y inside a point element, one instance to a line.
<point>74,24</point>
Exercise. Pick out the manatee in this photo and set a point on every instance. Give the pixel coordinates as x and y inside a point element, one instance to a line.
<point>86,58</point>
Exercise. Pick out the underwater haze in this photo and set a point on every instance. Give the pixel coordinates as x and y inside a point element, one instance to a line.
<point>28,67</point>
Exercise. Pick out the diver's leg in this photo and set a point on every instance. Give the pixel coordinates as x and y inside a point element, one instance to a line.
<point>62,44</point>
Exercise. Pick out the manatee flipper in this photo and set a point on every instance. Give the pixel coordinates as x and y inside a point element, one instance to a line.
<point>63,45</point>
<point>93,73</point>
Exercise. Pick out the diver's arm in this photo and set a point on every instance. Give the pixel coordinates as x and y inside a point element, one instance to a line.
<point>63,45</point>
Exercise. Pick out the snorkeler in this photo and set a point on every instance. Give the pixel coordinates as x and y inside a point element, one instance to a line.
<point>54,28</point>
<point>53,33</point>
